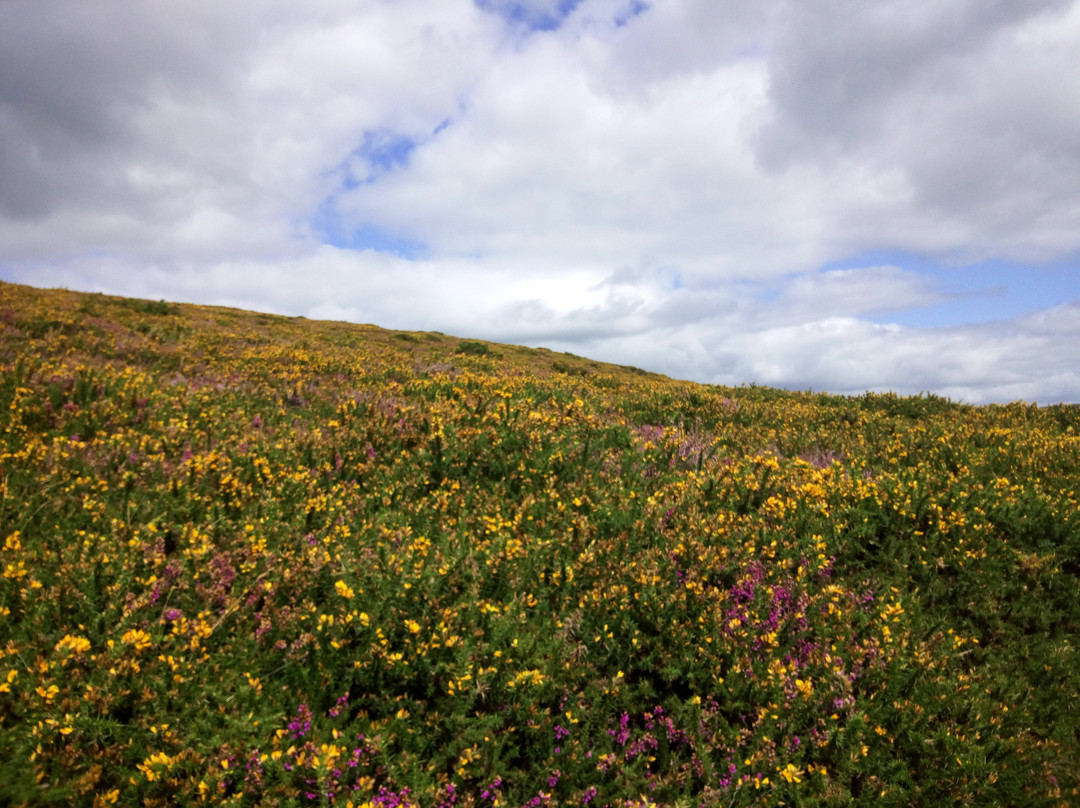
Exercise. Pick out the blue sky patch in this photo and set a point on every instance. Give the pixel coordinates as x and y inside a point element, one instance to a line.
<point>632,10</point>
<point>525,14</point>
<point>379,152</point>
<point>372,237</point>
<point>977,293</point>
<point>328,226</point>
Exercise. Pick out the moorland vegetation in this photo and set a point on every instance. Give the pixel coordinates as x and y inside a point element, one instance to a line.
<point>254,560</point>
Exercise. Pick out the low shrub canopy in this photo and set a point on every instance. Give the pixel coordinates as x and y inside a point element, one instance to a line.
<point>252,560</point>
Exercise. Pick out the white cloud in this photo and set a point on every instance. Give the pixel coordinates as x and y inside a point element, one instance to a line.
<point>659,184</point>
<point>969,102</point>
<point>210,126</point>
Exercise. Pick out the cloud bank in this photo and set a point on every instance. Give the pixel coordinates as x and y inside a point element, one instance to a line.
<point>824,194</point>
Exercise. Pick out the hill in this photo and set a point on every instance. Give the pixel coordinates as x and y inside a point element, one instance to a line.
<point>258,560</point>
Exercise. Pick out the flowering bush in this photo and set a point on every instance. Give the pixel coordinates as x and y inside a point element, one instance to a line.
<point>251,560</point>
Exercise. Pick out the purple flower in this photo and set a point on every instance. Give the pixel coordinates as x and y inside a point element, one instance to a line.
<point>337,709</point>
<point>492,791</point>
<point>301,725</point>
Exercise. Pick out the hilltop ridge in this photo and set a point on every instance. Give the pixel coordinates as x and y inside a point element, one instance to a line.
<point>165,323</point>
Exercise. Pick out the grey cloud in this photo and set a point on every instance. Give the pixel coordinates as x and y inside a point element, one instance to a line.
<point>971,103</point>
<point>850,292</point>
<point>1009,166</point>
<point>678,37</point>
<point>74,79</point>
<point>162,128</point>
<point>838,64</point>
<point>685,307</point>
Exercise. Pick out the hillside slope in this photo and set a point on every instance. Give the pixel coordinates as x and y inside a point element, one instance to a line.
<point>255,560</point>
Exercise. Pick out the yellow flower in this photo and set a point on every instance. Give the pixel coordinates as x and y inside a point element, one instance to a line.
<point>77,645</point>
<point>790,773</point>
<point>344,590</point>
<point>156,759</point>
<point>412,626</point>
<point>5,687</point>
<point>137,637</point>
<point>15,571</point>
<point>530,677</point>
<point>893,610</point>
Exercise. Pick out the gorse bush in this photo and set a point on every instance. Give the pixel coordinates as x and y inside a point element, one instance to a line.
<point>251,560</point>
<point>472,348</point>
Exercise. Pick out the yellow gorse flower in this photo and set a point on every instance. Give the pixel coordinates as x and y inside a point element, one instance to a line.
<point>344,590</point>
<point>791,774</point>
<point>149,766</point>
<point>77,645</point>
<point>16,570</point>
<point>12,675</point>
<point>138,638</point>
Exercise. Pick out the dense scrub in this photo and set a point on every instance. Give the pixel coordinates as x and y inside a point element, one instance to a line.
<point>254,560</point>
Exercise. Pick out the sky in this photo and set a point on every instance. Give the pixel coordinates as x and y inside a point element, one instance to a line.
<point>827,195</point>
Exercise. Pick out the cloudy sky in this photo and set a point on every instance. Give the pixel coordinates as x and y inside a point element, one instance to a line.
<point>833,195</point>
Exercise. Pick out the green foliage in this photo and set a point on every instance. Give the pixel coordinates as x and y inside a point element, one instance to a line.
<point>471,348</point>
<point>157,308</point>
<point>255,560</point>
<point>570,370</point>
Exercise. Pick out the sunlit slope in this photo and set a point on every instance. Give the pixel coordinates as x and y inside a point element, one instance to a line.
<point>255,560</point>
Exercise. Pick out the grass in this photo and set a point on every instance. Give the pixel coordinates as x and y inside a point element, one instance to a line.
<point>255,560</point>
